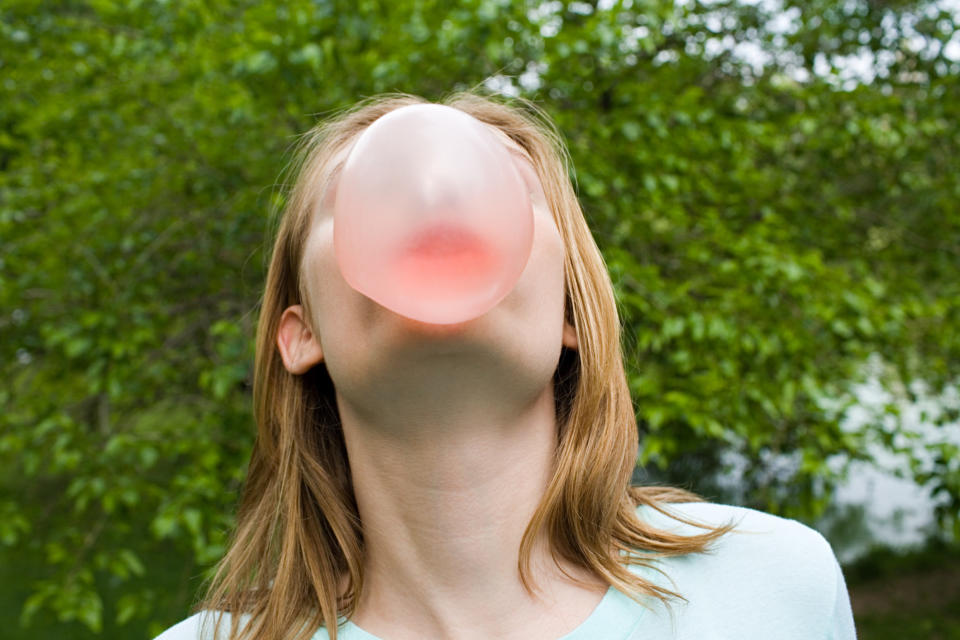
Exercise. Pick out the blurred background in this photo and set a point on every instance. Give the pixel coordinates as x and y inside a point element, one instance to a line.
<point>774,185</point>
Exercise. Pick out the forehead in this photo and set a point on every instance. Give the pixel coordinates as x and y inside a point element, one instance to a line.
<point>508,142</point>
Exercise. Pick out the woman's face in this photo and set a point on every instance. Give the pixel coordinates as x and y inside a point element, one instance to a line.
<point>365,345</point>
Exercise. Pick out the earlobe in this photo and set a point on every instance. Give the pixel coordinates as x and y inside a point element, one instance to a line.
<point>299,348</point>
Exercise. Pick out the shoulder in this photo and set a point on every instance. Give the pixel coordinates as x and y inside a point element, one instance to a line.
<point>200,626</point>
<point>775,571</point>
<point>762,536</point>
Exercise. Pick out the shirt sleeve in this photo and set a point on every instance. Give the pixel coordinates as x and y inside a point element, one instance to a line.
<point>188,629</point>
<point>842,627</point>
<point>200,626</point>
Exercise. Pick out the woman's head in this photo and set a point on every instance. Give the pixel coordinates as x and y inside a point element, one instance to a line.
<point>304,275</point>
<point>297,554</point>
<point>381,362</point>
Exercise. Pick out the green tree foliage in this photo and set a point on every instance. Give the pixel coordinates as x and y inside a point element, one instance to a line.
<point>769,227</point>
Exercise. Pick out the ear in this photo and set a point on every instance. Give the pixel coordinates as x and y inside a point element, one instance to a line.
<point>569,336</point>
<point>299,348</point>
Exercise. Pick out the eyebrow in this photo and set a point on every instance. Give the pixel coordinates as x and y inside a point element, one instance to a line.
<point>522,153</point>
<point>515,147</point>
<point>321,209</point>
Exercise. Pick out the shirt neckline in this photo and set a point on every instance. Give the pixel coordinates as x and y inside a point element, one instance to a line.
<point>614,617</point>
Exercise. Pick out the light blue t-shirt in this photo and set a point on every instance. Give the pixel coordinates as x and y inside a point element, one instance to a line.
<point>771,578</point>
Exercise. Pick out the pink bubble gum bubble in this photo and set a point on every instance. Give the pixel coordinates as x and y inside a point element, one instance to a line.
<point>432,218</point>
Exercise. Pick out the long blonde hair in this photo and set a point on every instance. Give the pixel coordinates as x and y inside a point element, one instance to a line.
<point>298,539</point>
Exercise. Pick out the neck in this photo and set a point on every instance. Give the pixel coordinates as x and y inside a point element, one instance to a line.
<point>443,516</point>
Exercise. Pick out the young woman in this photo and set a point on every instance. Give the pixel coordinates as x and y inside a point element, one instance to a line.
<point>414,480</point>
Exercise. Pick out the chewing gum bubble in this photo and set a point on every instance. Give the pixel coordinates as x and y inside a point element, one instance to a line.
<point>432,218</point>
